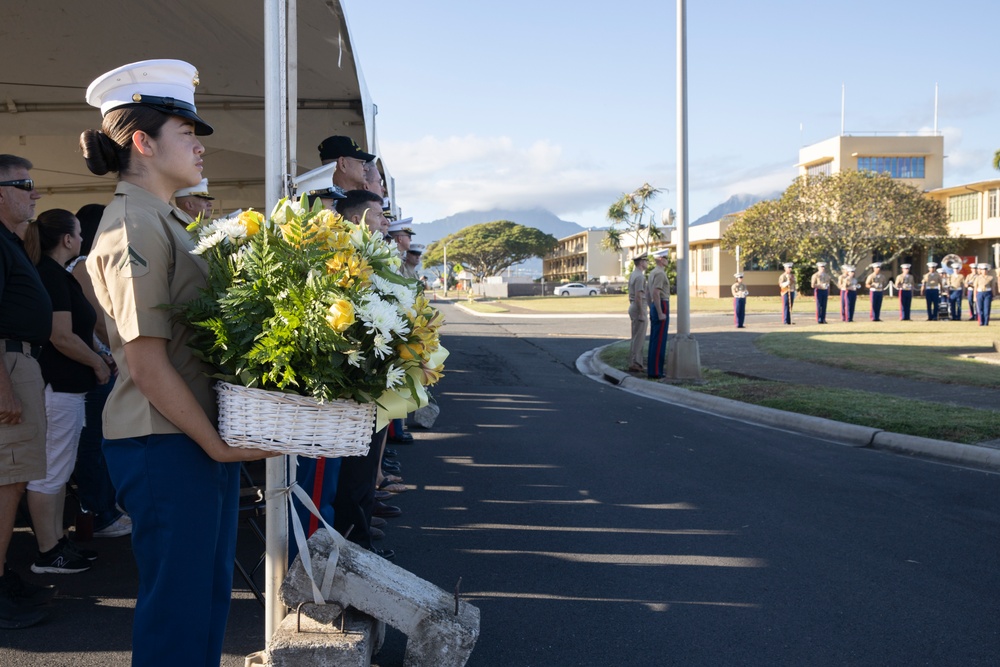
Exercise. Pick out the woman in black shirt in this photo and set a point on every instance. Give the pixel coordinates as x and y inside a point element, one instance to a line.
<point>70,367</point>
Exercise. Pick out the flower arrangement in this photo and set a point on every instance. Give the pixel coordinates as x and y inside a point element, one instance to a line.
<point>309,303</point>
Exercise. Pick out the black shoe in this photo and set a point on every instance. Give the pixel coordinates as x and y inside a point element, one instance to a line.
<point>72,548</point>
<point>15,610</point>
<point>386,511</point>
<point>403,438</point>
<point>59,560</point>
<point>376,533</point>
<point>390,453</point>
<point>382,495</point>
<point>24,592</point>
<point>378,522</point>
<point>391,467</point>
<point>387,554</point>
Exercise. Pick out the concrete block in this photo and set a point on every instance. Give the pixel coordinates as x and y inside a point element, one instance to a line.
<point>683,358</point>
<point>426,614</point>
<point>317,639</point>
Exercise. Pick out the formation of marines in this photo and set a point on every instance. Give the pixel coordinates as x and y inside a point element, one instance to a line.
<point>936,286</point>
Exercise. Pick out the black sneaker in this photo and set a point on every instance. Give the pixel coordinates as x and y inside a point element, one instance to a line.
<point>25,593</point>
<point>59,560</point>
<point>72,548</point>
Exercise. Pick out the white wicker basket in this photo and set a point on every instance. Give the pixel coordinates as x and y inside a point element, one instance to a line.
<point>292,424</point>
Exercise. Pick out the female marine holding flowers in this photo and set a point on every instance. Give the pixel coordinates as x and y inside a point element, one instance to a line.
<point>175,476</point>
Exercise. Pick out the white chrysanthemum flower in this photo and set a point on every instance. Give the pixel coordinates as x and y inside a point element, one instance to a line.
<point>285,210</point>
<point>380,346</point>
<point>403,294</point>
<point>394,377</point>
<point>209,241</point>
<point>381,317</point>
<point>354,358</point>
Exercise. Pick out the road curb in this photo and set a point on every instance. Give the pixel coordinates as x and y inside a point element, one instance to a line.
<point>828,429</point>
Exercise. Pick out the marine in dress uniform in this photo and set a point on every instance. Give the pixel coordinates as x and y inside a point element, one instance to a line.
<point>196,201</point>
<point>182,494</point>
<point>985,285</point>
<point>876,282</point>
<point>848,286</point>
<point>821,290</point>
<point>971,290</point>
<point>956,281</point>
<point>786,285</point>
<point>931,289</point>
<point>740,294</point>
<point>905,284</point>
<point>637,312</point>
<point>318,184</point>
<point>658,287</point>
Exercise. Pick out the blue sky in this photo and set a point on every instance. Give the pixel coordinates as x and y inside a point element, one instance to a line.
<point>565,105</point>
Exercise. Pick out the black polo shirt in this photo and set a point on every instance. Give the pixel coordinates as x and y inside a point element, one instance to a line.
<point>25,307</point>
<point>63,373</point>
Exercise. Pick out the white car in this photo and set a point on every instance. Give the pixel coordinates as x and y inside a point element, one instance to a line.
<point>575,289</point>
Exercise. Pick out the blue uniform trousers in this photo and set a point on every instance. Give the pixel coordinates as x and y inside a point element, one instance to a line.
<point>787,303</point>
<point>905,300</point>
<point>821,296</point>
<point>739,310</point>
<point>933,296</point>
<point>318,478</point>
<point>876,306</point>
<point>955,303</point>
<point>972,304</point>
<point>657,340</point>
<point>984,302</point>
<point>184,509</point>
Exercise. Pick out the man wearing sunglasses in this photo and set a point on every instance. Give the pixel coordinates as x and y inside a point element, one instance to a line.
<point>25,324</point>
<point>350,159</point>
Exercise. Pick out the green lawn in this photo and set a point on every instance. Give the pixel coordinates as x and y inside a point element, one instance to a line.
<point>898,415</point>
<point>919,350</point>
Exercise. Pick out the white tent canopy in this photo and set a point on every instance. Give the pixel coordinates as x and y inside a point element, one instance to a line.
<point>54,49</point>
<point>248,55</point>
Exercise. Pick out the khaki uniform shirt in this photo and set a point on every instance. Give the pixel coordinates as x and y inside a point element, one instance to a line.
<point>821,280</point>
<point>141,261</point>
<point>637,295</point>
<point>740,290</point>
<point>876,282</point>
<point>848,284</point>
<point>658,286</point>
<point>932,280</point>
<point>408,271</point>
<point>956,280</point>
<point>787,282</point>
<point>905,281</point>
<point>985,283</point>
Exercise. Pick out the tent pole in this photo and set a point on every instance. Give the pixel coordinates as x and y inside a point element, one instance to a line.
<point>276,163</point>
<point>293,87</point>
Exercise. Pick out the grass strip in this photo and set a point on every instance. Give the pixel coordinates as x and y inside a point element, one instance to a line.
<point>889,413</point>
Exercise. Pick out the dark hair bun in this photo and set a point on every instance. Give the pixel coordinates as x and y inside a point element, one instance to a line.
<point>100,152</point>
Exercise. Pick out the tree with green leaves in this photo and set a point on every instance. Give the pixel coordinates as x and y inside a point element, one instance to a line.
<point>843,218</point>
<point>996,160</point>
<point>488,248</point>
<point>631,216</point>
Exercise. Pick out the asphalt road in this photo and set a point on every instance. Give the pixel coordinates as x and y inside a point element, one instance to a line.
<point>595,527</point>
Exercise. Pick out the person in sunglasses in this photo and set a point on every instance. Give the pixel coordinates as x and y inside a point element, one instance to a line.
<point>175,476</point>
<point>25,325</point>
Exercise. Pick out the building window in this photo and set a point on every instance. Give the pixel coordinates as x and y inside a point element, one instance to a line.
<point>963,207</point>
<point>897,167</point>
<point>706,259</point>
<point>822,169</point>
<point>994,204</point>
<point>754,264</point>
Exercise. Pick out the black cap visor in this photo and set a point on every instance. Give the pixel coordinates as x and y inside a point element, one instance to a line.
<point>174,107</point>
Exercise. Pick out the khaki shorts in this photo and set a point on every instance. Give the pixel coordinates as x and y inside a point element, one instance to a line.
<point>22,446</point>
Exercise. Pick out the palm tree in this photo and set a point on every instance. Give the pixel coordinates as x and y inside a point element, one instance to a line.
<point>631,212</point>
<point>996,160</point>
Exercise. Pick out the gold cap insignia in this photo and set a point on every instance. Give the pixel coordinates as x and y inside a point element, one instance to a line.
<point>195,81</point>
<point>136,97</point>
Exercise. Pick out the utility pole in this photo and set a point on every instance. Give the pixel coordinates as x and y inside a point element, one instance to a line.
<point>683,358</point>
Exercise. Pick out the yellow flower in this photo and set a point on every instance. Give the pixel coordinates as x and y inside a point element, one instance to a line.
<point>411,351</point>
<point>341,315</point>
<point>430,375</point>
<point>252,220</point>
